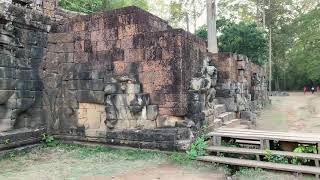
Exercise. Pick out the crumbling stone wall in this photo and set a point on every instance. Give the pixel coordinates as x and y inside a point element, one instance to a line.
<point>128,61</point>
<point>241,85</point>
<point>118,77</point>
<point>45,7</point>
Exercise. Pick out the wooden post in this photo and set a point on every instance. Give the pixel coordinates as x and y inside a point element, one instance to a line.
<point>265,144</point>
<point>216,140</point>
<point>261,144</point>
<point>258,157</point>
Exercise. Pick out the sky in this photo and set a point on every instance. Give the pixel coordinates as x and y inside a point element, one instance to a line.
<point>156,9</point>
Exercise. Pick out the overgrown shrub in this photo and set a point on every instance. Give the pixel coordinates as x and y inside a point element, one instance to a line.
<point>198,148</point>
<point>304,149</point>
<point>49,140</point>
<point>276,158</point>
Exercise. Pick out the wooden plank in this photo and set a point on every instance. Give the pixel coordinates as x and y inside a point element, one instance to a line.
<point>261,131</point>
<point>217,141</point>
<point>269,137</point>
<point>261,164</point>
<point>262,152</point>
<point>250,131</point>
<point>265,132</point>
<point>270,134</point>
<point>254,142</point>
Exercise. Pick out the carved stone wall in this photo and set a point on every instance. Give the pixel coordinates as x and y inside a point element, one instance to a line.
<point>23,37</point>
<point>118,77</point>
<point>127,60</point>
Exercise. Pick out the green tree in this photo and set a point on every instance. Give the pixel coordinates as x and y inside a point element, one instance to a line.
<point>278,18</point>
<point>202,32</point>
<point>304,55</point>
<point>241,38</point>
<point>184,13</point>
<point>91,6</point>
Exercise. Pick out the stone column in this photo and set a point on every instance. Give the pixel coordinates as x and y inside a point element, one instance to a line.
<point>212,29</point>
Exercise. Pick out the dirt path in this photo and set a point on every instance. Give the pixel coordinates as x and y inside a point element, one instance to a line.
<point>165,172</point>
<point>297,113</point>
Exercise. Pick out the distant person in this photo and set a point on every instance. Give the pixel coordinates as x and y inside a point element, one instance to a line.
<point>318,88</point>
<point>312,89</point>
<point>305,90</point>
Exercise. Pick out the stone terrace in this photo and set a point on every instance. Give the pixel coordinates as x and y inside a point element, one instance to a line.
<point>125,77</point>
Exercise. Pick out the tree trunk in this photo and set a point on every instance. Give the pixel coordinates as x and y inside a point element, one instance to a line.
<point>264,14</point>
<point>212,27</point>
<point>187,22</point>
<point>270,56</point>
<point>195,19</point>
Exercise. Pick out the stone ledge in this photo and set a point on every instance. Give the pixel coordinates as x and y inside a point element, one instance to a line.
<point>20,137</point>
<point>162,139</point>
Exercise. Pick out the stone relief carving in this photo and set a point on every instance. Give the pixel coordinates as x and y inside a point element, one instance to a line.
<point>128,104</point>
<point>202,93</point>
<point>255,79</point>
<point>14,69</point>
<point>206,82</point>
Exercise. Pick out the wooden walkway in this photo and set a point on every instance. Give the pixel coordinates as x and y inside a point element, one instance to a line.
<point>261,164</point>
<point>263,139</point>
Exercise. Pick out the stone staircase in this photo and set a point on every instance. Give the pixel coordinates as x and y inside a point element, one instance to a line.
<point>223,118</point>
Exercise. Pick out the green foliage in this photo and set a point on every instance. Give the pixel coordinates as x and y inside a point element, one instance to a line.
<point>276,158</point>
<point>176,12</point>
<point>198,148</point>
<point>7,141</point>
<point>91,6</point>
<point>246,39</point>
<point>304,54</point>
<point>241,38</point>
<point>180,158</point>
<point>202,32</point>
<point>49,141</point>
<point>304,149</point>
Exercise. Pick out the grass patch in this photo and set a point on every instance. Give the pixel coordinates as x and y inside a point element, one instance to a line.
<point>73,161</point>
<point>259,174</point>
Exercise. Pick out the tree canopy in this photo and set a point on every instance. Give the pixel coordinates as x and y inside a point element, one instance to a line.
<point>90,6</point>
<point>241,38</point>
<point>304,55</point>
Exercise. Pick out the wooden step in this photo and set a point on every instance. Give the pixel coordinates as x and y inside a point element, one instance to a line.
<point>237,150</point>
<point>241,141</point>
<point>261,164</point>
<point>253,131</point>
<point>250,134</point>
